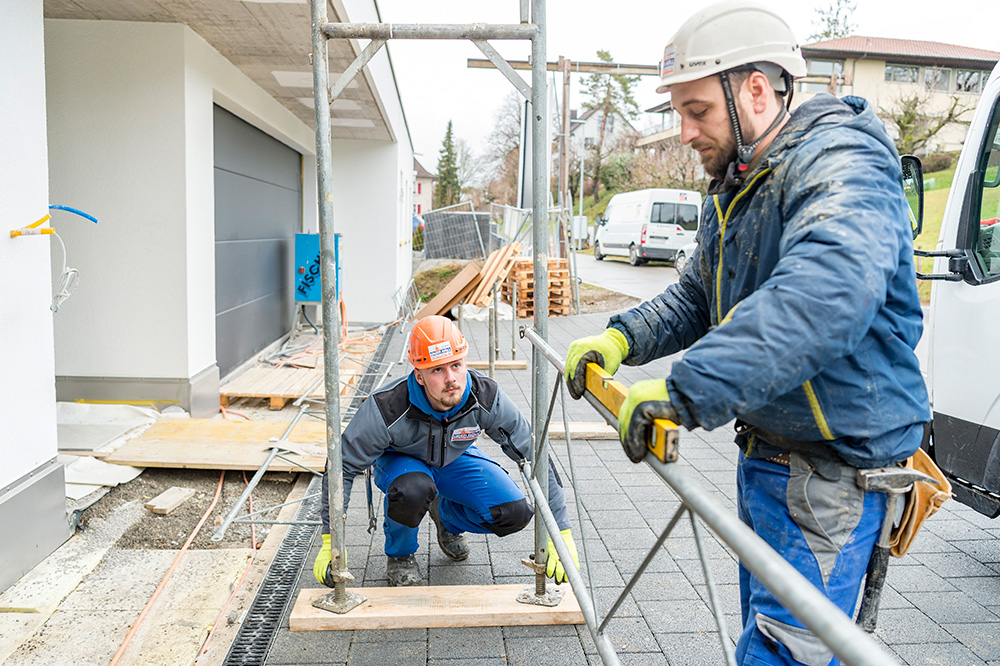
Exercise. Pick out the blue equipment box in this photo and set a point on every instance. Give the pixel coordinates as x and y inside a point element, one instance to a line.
<point>308,282</point>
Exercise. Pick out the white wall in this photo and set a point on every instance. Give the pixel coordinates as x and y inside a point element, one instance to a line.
<point>132,126</point>
<point>27,392</point>
<point>116,136</point>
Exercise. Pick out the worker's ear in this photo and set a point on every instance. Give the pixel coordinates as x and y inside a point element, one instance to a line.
<point>759,91</point>
<point>418,376</point>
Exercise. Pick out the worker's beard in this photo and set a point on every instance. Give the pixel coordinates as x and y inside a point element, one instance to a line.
<point>716,163</point>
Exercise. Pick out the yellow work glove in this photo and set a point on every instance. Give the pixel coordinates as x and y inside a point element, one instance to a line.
<point>553,567</point>
<point>608,350</point>
<point>321,567</point>
<point>647,400</point>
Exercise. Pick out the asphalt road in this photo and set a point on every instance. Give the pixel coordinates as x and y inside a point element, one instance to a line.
<point>615,273</point>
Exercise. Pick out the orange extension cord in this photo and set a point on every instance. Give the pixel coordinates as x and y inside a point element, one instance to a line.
<point>166,577</point>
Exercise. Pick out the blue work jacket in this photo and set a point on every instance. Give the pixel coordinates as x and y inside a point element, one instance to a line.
<point>799,309</point>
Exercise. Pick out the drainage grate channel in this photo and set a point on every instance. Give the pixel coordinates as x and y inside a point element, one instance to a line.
<point>256,634</point>
<point>262,621</point>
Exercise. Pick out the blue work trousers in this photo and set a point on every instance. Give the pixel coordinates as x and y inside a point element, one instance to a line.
<point>468,487</point>
<point>825,528</point>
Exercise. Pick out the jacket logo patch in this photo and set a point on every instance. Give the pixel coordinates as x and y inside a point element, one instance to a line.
<point>440,350</point>
<point>465,434</point>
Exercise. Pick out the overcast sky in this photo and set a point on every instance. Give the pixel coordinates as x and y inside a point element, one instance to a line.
<point>437,86</point>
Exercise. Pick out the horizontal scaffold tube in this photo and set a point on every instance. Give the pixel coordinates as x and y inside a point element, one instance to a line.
<point>429,30</point>
<point>801,597</point>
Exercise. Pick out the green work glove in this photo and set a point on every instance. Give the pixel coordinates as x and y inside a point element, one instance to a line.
<point>608,350</point>
<point>647,400</point>
<point>553,567</point>
<point>321,567</point>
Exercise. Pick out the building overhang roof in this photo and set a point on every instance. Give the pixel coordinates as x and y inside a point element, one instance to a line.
<point>269,42</point>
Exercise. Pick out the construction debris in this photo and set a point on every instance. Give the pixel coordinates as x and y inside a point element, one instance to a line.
<point>459,287</point>
<point>169,500</point>
<point>497,267</point>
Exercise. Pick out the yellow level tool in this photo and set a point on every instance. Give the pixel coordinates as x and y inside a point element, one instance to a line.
<point>612,393</point>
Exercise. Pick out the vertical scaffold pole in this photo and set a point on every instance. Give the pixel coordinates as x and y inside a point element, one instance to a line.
<point>540,244</point>
<point>340,600</point>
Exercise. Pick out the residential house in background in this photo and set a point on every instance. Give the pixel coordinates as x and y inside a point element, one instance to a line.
<point>423,192</point>
<point>883,71</point>
<point>886,71</point>
<point>585,130</point>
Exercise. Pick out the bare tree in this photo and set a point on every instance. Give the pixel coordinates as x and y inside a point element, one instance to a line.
<point>610,94</point>
<point>471,168</point>
<point>833,20</point>
<point>915,125</point>
<point>500,162</point>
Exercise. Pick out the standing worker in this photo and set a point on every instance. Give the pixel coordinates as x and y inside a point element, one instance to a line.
<point>798,310</point>
<point>420,433</point>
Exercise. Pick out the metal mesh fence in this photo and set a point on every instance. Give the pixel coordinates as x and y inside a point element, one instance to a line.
<point>459,232</point>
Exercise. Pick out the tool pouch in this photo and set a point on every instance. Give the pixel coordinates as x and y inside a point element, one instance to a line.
<point>923,501</point>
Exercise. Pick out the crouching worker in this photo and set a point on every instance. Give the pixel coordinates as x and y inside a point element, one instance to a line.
<point>420,433</point>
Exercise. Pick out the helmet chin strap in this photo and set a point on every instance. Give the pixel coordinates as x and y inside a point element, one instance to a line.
<point>744,153</point>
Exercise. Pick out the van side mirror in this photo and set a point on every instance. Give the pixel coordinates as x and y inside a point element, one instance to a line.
<point>913,187</point>
<point>602,220</point>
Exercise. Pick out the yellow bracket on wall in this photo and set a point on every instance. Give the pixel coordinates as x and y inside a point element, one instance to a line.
<point>612,393</point>
<point>32,229</point>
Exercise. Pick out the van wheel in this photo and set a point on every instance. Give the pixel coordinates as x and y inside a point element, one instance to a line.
<point>633,256</point>
<point>597,251</point>
<point>680,261</point>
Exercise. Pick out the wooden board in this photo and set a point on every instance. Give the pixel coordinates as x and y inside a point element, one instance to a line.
<point>426,607</point>
<point>169,500</point>
<point>497,271</point>
<point>582,430</point>
<point>498,365</point>
<point>459,287</point>
<point>220,444</point>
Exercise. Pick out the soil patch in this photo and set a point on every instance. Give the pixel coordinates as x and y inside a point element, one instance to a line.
<point>597,299</point>
<point>430,282</point>
<point>156,532</point>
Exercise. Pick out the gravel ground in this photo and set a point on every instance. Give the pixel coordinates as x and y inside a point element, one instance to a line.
<point>156,532</point>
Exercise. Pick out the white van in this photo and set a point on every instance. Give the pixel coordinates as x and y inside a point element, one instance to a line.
<point>648,224</point>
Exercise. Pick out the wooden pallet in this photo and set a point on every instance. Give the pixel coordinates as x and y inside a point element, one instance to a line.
<point>554,311</point>
<point>279,385</point>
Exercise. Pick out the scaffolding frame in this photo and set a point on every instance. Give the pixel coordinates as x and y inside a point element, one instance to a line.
<point>532,28</point>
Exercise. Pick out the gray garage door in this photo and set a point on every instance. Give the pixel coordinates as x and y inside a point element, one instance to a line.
<point>258,185</point>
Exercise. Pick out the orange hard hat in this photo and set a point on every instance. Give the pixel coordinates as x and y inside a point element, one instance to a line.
<point>436,340</point>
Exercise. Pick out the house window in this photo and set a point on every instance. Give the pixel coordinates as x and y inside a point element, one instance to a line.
<point>936,78</point>
<point>420,186</point>
<point>901,73</point>
<point>824,68</point>
<point>588,142</point>
<point>970,81</point>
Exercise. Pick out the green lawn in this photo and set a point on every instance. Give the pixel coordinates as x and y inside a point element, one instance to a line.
<point>934,201</point>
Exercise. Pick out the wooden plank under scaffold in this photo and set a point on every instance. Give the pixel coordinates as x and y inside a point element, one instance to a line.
<point>424,607</point>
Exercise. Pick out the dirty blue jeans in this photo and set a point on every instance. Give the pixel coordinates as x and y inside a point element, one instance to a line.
<point>825,528</point>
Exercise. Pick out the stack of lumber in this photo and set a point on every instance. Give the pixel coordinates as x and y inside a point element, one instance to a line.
<point>523,275</point>
<point>474,283</point>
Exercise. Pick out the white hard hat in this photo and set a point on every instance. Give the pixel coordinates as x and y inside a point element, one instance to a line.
<point>729,35</point>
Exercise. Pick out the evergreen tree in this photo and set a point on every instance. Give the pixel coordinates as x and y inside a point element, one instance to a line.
<point>447,190</point>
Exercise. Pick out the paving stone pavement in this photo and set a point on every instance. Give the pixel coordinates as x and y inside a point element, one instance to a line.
<point>941,605</point>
